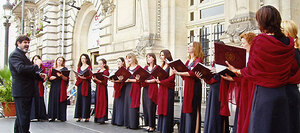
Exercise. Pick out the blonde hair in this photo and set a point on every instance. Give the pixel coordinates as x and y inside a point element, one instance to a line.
<point>291,28</point>
<point>132,55</point>
<point>197,51</point>
<point>248,36</point>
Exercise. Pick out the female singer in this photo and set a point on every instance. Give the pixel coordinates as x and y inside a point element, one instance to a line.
<point>57,107</point>
<point>150,89</point>
<point>290,30</point>
<point>83,83</point>
<point>101,104</point>
<point>119,95</point>
<point>271,67</point>
<point>38,108</point>
<point>242,89</point>
<point>165,104</point>
<point>190,120</point>
<point>132,95</point>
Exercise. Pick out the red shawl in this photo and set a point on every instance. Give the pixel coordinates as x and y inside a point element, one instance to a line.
<point>118,88</point>
<point>271,63</point>
<point>245,102</point>
<point>162,101</point>
<point>85,82</point>
<point>135,92</point>
<point>101,103</point>
<point>40,84</point>
<point>63,88</point>
<point>153,88</point>
<point>189,83</point>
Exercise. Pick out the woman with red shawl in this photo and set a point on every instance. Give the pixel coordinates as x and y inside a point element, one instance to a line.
<point>132,95</point>
<point>271,67</point>
<point>101,104</point>
<point>57,106</point>
<point>150,89</point>
<point>165,101</point>
<point>119,95</point>
<point>38,108</point>
<point>83,83</point>
<point>190,120</point>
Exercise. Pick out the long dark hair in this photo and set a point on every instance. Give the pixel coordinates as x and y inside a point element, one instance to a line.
<point>168,56</point>
<point>34,57</point>
<point>105,63</point>
<point>87,62</point>
<point>153,56</point>
<point>269,20</point>
<point>123,60</point>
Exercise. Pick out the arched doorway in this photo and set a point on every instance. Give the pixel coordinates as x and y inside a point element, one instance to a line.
<point>81,28</point>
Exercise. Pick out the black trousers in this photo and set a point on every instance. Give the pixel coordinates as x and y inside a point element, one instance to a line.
<point>23,109</point>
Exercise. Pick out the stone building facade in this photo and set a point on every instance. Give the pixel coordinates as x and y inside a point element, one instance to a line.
<point>105,28</point>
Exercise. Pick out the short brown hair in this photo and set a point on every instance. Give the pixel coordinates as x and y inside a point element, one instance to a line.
<point>269,20</point>
<point>21,38</point>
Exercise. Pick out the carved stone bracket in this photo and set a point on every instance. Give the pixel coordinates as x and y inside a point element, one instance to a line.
<point>144,42</point>
<point>240,24</point>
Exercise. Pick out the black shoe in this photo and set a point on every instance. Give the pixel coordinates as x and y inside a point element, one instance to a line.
<point>51,120</point>
<point>86,120</point>
<point>78,120</point>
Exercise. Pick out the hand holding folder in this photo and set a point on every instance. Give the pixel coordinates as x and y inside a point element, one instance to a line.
<point>54,72</point>
<point>178,65</point>
<point>159,73</point>
<point>98,75</point>
<point>142,73</point>
<point>204,70</point>
<point>84,73</point>
<point>121,72</point>
<point>234,55</point>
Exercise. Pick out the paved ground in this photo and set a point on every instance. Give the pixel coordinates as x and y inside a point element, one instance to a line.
<point>70,126</point>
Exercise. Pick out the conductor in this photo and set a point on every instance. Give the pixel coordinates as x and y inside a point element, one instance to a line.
<point>23,75</point>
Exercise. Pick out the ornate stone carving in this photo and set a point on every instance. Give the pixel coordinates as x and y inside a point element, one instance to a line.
<point>144,42</point>
<point>240,24</point>
<point>158,18</point>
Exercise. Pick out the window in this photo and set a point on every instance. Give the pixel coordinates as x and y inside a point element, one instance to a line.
<point>200,14</point>
<point>191,2</point>
<point>191,36</point>
<point>204,40</point>
<point>213,11</point>
<point>192,16</point>
<point>218,31</point>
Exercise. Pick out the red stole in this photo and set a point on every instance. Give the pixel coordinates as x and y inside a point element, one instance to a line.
<point>40,84</point>
<point>245,103</point>
<point>85,82</point>
<point>271,63</point>
<point>189,83</point>
<point>41,88</point>
<point>153,88</point>
<point>63,88</point>
<point>101,103</point>
<point>162,101</point>
<point>135,92</point>
<point>118,88</point>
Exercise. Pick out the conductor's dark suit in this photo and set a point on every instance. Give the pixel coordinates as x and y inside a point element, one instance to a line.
<point>23,75</point>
